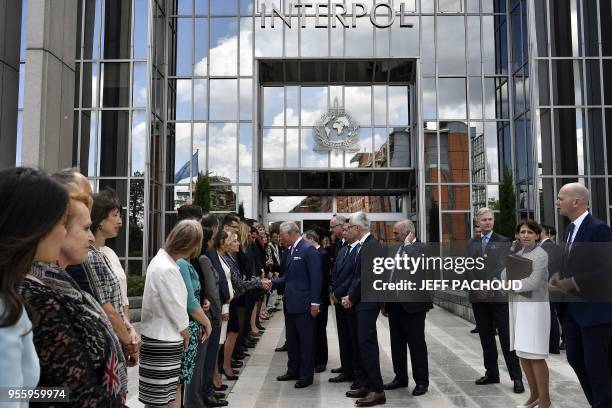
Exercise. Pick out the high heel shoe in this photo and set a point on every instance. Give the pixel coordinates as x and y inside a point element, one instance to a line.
<point>223,387</point>
<point>229,377</point>
<point>530,405</point>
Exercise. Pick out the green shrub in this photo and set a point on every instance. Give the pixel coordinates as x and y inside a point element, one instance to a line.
<point>135,285</point>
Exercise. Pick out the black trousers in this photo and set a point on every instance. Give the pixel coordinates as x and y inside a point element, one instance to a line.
<point>321,352</point>
<point>408,328</point>
<point>555,333</point>
<point>344,341</point>
<point>489,316</point>
<point>368,348</point>
<point>350,319</point>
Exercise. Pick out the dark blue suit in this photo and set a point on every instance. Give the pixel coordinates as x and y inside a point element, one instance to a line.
<point>223,286</point>
<point>320,344</point>
<point>346,320</point>
<point>588,324</point>
<point>366,313</point>
<point>302,282</point>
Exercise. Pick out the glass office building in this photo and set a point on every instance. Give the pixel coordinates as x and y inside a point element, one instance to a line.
<point>299,110</point>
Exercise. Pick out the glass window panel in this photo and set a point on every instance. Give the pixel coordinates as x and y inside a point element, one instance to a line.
<point>299,204</point>
<point>360,40</point>
<point>201,7</point>
<point>432,211</point>
<point>456,228</point>
<point>398,105</point>
<point>223,197</point>
<point>519,95</point>
<point>136,217</point>
<point>273,106</point>
<point>139,135</point>
<point>400,147</point>
<point>593,83</point>
<point>478,159</point>
<point>224,7</point>
<point>293,148</point>
<point>568,128</point>
<point>381,147</point>
<point>490,99</point>
<point>608,113</point>
<point>363,158</point>
<point>521,148</point>
<point>184,6</point>
<point>309,157</point>
<point>223,46</point>
<point>114,148</point>
<point>91,31</point>
<point>141,15</point>
<point>427,6</point>
<point>404,40</point>
<point>246,98</point>
<point>292,109</point>
<point>544,146</point>
<point>139,95</point>
<point>489,45</point>
<point>452,98</point>
<point>88,142</point>
<point>245,195</point>
<point>246,46</point>
<point>475,98</point>
<point>451,45</point>
<point>268,41</point>
<point>431,152</point>
<point>562,27</point>
<point>450,6</point>
<point>564,74</point>
<point>184,46</point>
<point>314,104</point>
<point>246,7</point>
<point>380,105</point>
<point>116,91</point>
<point>117,38</point>
<point>200,47</point>
<point>428,48</point>
<point>473,6</point>
<point>429,98</point>
<point>223,99</point>
<point>182,149</point>
<point>272,149</point>
<point>245,153</point>
<point>183,99</point>
<point>474,56</point>
<point>89,88</point>
<point>358,103</point>
<point>455,144</point>
<point>607,76</point>
<point>492,153</point>
<point>200,93</point>
<point>605,14</point>
<point>313,40</point>
<point>199,145</point>
<point>222,151</point>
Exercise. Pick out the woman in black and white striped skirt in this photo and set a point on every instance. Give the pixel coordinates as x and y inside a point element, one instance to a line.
<point>164,322</point>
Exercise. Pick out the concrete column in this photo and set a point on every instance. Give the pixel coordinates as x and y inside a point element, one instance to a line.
<point>49,85</point>
<point>10,43</point>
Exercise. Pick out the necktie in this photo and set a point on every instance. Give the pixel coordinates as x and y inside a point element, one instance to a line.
<point>568,243</point>
<point>484,242</point>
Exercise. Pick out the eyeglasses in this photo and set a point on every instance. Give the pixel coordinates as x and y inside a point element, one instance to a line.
<point>331,227</point>
<point>352,226</point>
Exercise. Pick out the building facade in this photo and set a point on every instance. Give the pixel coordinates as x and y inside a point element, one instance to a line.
<point>299,110</point>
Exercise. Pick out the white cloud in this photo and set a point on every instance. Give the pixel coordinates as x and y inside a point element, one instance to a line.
<point>222,150</point>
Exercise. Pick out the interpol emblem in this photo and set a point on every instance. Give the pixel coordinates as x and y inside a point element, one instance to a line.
<point>336,130</point>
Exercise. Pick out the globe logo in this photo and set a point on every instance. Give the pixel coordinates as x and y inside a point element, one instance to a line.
<point>336,130</point>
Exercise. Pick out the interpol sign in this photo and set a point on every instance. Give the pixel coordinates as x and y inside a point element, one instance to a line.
<point>336,130</point>
<point>381,15</point>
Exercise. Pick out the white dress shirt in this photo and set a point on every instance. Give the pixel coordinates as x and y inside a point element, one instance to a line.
<point>164,301</point>
<point>577,222</point>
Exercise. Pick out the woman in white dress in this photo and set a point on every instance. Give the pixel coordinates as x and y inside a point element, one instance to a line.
<point>530,316</point>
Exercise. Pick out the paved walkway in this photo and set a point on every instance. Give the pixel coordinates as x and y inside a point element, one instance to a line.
<point>454,363</point>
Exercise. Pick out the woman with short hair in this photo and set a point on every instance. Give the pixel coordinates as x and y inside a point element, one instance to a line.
<point>165,321</point>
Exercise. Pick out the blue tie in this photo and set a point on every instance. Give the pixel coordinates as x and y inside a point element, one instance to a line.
<point>485,240</point>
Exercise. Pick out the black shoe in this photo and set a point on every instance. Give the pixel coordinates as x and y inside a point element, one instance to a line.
<point>238,356</point>
<point>281,348</point>
<point>336,370</point>
<point>303,383</point>
<point>223,387</point>
<point>250,345</point>
<point>341,378</point>
<point>554,351</point>
<point>286,377</point>
<point>218,395</point>
<point>519,388</point>
<point>260,328</point>
<point>420,389</point>
<point>395,384</point>
<point>360,392</point>
<point>320,368</point>
<point>229,377</point>
<point>213,402</point>
<point>562,346</point>
<point>252,339</point>
<point>355,385</point>
<point>237,364</point>
<point>474,330</point>
<point>486,379</point>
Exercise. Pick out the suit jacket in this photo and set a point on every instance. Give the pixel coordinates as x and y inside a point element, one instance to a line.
<point>223,286</point>
<point>302,280</point>
<point>364,261</point>
<point>494,255</point>
<point>339,253</point>
<point>342,277</point>
<point>283,270</point>
<point>414,301</point>
<point>325,274</point>
<point>590,265</point>
<point>211,289</point>
<point>555,254</point>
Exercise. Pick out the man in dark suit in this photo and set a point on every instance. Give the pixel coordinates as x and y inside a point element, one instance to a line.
<point>337,227</point>
<point>407,317</point>
<point>302,284</point>
<point>371,391</point>
<point>554,252</point>
<point>586,276</point>
<point>346,319</point>
<point>491,308</point>
<point>320,343</point>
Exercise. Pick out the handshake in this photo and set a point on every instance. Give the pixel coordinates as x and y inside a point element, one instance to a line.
<point>265,284</point>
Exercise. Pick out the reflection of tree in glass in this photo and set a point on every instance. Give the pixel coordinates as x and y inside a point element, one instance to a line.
<point>136,215</point>
<point>505,221</point>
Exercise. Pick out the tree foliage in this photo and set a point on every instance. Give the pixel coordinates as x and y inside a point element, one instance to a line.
<point>201,195</point>
<point>505,221</point>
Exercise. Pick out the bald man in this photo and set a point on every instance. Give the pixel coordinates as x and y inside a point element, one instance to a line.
<point>586,270</point>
